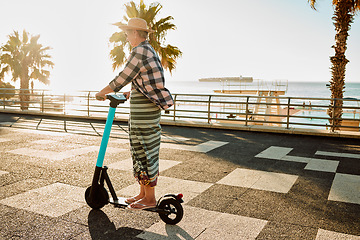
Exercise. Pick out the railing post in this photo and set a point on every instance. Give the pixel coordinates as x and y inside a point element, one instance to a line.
<point>175,108</point>
<point>333,116</point>
<point>4,98</point>
<point>247,111</point>
<point>88,104</point>
<point>64,104</point>
<point>288,114</point>
<point>209,106</point>
<point>42,101</point>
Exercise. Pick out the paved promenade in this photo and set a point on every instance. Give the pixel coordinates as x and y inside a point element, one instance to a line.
<point>236,184</point>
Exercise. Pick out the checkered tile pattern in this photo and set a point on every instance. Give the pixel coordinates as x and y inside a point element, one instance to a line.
<point>231,191</point>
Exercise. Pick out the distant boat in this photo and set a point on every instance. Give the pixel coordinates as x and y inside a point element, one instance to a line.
<point>231,79</point>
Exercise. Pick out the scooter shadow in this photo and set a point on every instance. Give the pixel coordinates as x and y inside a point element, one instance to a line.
<point>174,231</point>
<point>101,228</point>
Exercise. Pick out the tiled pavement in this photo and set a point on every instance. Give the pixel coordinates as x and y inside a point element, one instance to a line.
<point>236,185</point>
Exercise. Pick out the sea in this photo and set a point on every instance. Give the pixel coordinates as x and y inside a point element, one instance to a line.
<point>293,89</point>
<point>301,94</point>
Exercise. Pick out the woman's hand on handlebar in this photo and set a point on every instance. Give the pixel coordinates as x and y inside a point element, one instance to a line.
<point>127,94</point>
<point>100,96</point>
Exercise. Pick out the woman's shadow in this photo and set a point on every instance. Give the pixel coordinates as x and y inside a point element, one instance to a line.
<point>100,227</point>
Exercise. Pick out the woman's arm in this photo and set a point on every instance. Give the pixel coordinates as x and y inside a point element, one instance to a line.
<point>101,95</point>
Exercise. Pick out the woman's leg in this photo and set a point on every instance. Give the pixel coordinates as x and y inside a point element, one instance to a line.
<point>137,197</point>
<point>148,200</point>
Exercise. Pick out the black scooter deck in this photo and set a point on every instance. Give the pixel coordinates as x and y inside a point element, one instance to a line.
<point>120,203</point>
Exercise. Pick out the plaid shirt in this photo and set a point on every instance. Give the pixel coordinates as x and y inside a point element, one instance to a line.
<point>144,70</point>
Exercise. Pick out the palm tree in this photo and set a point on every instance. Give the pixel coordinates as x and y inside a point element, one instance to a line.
<point>167,53</point>
<point>26,59</point>
<point>344,11</point>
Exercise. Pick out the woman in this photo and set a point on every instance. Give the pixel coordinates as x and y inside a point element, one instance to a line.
<point>148,96</point>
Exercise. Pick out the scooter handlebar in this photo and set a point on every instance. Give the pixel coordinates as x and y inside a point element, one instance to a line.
<point>115,100</point>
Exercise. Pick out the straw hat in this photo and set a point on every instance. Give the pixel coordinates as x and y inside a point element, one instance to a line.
<point>136,24</point>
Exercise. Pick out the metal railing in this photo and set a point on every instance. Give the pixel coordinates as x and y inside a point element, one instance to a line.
<point>286,112</point>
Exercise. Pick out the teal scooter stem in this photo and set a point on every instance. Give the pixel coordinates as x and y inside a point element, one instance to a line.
<point>106,136</point>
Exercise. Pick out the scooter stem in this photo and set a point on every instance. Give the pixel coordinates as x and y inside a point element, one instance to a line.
<point>105,137</point>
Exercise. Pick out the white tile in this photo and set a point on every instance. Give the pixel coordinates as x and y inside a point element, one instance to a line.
<point>176,146</point>
<point>350,155</point>
<point>326,235</point>
<point>166,164</point>
<point>208,146</point>
<point>112,149</point>
<point>203,147</point>
<point>26,151</point>
<point>60,190</point>
<point>56,156</point>
<point>223,228</point>
<point>2,172</point>
<point>274,152</point>
<point>120,141</point>
<point>345,188</point>
<point>335,154</point>
<point>42,132</point>
<point>322,165</point>
<point>203,224</point>
<point>6,124</point>
<point>268,181</point>
<point>190,189</point>
<point>44,141</point>
<point>4,140</point>
<point>53,200</point>
<point>127,165</point>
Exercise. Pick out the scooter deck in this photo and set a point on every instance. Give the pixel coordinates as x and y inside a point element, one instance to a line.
<point>120,202</point>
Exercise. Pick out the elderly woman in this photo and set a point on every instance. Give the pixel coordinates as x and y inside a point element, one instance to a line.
<point>148,96</point>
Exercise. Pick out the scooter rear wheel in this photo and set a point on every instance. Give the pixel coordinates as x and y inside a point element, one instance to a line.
<point>99,199</point>
<point>174,211</point>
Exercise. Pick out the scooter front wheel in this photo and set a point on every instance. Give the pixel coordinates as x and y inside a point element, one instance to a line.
<point>173,211</point>
<point>99,198</point>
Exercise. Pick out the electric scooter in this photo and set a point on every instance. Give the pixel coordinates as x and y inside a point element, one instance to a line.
<point>168,206</point>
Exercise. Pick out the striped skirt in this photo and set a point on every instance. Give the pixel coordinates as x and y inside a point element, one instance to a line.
<point>144,135</point>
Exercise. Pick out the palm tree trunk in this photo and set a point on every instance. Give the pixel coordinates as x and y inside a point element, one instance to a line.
<point>24,93</point>
<point>342,21</point>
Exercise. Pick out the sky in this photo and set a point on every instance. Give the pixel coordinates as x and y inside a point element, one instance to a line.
<point>263,39</point>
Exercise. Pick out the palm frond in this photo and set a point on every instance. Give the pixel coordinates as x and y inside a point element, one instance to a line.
<point>4,70</point>
<point>131,10</point>
<point>25,37</point>
<point>312,4</point>
<point>118,37</point>
<point>141,9</point>
<point>117,55</point>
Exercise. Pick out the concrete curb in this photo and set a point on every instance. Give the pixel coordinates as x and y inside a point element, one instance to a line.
<point>227,126</point>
